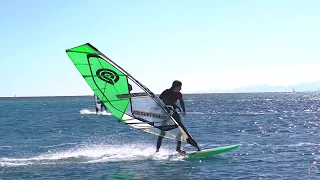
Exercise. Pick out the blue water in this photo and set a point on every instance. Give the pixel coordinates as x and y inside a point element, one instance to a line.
<point>62,138</point>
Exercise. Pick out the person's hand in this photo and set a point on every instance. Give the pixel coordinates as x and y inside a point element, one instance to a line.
<point>183,113</point>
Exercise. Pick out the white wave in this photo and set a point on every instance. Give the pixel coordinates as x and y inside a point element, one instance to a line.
<point>303,144</point>
<point>284,145</point>
<point>89,111</point>
<point>195,112</point>
<point>59,145</point>
<point>95,154</point>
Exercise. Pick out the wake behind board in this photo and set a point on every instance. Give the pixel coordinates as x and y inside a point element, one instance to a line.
<point>210,152</point>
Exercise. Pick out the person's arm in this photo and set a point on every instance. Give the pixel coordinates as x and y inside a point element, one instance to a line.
<point>162,94</point>
<point>182,105</point>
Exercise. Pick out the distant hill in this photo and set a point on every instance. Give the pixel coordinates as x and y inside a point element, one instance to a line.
<point>315,86</point>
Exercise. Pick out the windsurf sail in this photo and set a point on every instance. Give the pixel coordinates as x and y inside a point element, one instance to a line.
<point>125,97</point>
<point>100,107</point>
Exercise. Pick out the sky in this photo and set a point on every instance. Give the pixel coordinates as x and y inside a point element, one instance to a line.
<point>207,44</point>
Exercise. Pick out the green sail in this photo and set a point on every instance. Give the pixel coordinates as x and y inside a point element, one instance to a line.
<point>101,76</point>
<point>124,96</point>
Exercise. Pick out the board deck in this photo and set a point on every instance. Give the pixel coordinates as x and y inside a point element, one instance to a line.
<point>210,152</point>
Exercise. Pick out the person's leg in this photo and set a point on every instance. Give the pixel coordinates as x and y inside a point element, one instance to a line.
<point>159,142</point>
<point>103,107</point>
<point>178,146</point>
<point>190,141</point>
<point>176,116</point>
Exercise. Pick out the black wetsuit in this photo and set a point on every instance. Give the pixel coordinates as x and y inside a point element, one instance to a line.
<point>169,97</point>
<point>100,104</point>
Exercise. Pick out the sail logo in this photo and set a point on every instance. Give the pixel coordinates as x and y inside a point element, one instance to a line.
<point>122,96</point>
<point>150,114</point>
<point>108,76</point>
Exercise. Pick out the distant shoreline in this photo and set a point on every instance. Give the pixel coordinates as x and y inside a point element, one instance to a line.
<point>12,97</point>
<point>68,96</point>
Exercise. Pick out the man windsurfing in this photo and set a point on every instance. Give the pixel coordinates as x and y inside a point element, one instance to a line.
<point>99,105</point>
<point>170,97</point>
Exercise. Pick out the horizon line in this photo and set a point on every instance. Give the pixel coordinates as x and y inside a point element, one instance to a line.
<point>194,93</point>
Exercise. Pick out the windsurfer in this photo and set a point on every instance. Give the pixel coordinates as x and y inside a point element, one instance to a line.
<point>100,104</point>
<point>170,97</point>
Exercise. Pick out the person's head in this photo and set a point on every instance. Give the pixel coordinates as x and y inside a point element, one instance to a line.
<point>176,86</point>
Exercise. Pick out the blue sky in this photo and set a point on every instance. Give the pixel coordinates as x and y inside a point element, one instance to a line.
<point>205,44</point>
